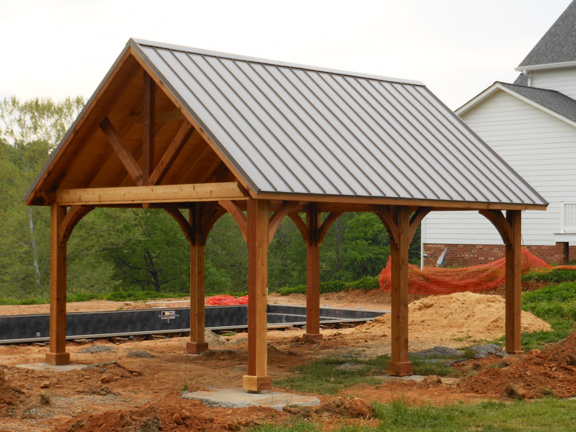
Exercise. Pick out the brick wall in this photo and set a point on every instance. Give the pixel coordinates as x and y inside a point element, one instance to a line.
<point>463,255</point>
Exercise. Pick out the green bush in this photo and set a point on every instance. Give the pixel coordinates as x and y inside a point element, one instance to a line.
<point>552,276</point>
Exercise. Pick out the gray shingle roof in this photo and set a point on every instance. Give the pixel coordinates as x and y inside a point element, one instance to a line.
<point>551,99</point>
<point>558,45</point>
<point>291,129</point>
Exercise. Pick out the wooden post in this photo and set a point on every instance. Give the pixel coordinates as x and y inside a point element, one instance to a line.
<point>313,275</point>
<point>197,343</point>
<point>513,282</point>
<point>399,364</point>
<point>257,378</point>
<point>57,354</point>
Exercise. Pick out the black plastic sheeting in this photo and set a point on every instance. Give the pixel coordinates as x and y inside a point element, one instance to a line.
<point>35,328</point>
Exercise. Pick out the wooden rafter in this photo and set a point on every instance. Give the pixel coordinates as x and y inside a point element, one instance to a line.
<point>171,153</point>
<point>160,117</point>
<point>122,152</point>
<point>152,194</point>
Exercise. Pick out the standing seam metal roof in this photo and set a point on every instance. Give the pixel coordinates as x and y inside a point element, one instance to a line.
<point>296,129</point>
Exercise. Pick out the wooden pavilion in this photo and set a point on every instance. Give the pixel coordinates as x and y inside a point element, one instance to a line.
<point>200,133</point>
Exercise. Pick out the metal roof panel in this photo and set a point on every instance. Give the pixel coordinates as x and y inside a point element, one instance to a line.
<point>293,129</point>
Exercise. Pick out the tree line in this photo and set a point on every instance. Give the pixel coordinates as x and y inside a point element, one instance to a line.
<point>145,250</point>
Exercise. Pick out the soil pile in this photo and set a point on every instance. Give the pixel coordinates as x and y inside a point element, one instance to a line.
<point>466,316</point>
<point>173,414</point>
<point>532,375</point>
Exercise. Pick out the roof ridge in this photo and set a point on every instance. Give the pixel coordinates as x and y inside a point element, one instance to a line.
<point>211,53</point>
<point>558,45</point>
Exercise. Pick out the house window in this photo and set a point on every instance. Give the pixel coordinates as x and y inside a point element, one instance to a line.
<point>569,217</point>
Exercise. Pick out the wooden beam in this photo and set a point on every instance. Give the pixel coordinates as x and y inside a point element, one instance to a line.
<point>57,354</point>
<point>399,363</point>
<point>238,215</point>
<point>122,152</point>
<point>171,153</point>
<point>148,112</point>
<point>197,343</point>
<point>513,283</point>
<point>151,194</point>
<point>313,274</point>
<point>160,117</point>
<point>257,378</point>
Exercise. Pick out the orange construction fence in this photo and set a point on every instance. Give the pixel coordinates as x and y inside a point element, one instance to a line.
<point>438,280</point>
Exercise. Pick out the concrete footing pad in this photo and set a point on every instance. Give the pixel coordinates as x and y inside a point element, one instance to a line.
<point>238,398</point>
<point>51,368</point>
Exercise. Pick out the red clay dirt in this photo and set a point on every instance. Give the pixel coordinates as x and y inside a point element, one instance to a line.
<point>136,385</point>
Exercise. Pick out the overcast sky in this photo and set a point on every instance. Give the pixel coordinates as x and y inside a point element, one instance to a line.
<point>59,48</point>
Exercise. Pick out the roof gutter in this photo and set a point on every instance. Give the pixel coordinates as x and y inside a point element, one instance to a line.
<point>548,66</point>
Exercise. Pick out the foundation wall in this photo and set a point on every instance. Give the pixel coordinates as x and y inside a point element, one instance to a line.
<point>464,255</point>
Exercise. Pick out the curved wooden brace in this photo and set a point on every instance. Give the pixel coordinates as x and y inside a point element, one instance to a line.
<point>183,222</point>
<point>301,225</point>
<point>278,216</point>
<point>323,229</point>
<point>238,216</point>
<point>500,223</point>
<point>211,214</point>
<point>385,214</point>
<point>70,221</point>
<point>416,219</point>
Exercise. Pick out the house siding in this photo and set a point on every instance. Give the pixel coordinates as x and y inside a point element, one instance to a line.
<point>541,148</point>
<point>562,80</point>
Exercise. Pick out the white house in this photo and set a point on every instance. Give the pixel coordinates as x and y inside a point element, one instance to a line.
<point>531,124</point>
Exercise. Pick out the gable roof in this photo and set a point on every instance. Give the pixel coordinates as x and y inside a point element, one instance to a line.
<point>551,101</point>
<point>296,131</point>
<point>558,45</point>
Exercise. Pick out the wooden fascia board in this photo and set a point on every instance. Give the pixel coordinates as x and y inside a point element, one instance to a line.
<point>152,194</point>
<point>36,191</point>
<point>187,112</point>
<point>351,201</point>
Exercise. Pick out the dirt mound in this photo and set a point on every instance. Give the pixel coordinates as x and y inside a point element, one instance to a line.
<point>532,375</point>
<point>347,407</point>
<point>173,414</point>
<point>468,316</point>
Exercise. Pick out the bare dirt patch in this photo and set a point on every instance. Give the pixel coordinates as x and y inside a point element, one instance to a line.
<point>136,385</point>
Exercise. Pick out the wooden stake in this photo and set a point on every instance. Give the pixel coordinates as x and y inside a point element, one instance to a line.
<point>513,282</point>
<point>57,354</point>
<point>257,378</point>
<point>399,364</point>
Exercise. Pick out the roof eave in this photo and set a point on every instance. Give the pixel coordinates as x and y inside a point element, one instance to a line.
<point>411,202</point>
<point>36,195</point>
<point>547,66</point>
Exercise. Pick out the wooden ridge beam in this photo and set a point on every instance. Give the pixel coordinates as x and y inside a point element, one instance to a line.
<point>152,194</point>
